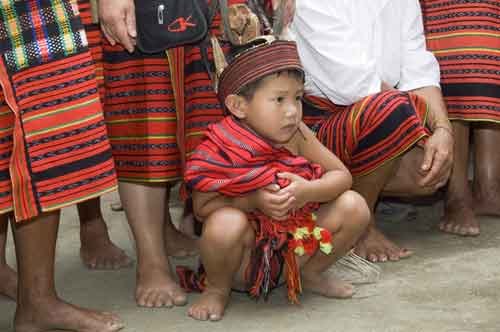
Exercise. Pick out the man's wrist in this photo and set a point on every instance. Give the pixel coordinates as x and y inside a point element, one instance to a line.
<point>444,125</point>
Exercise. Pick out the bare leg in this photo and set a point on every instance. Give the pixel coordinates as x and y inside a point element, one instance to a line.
<point>38,307</point>
<point>144,207</point>
<point>177,244</point>
<point>8,277</point>
<point>396,178</point>
<point>227,237</point>
<point>373,245</point>
<point>347,218</point>
<point>487,170</point>
<point>97,251</point>
<point>459,217</point>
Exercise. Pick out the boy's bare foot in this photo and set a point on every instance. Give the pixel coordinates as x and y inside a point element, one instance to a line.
<point>155,288</point>
<point>178,244</point>
<point>210,305</point>
<point>375,247</point>
<point>51,315</point>
<point>97,251</point>
<point>327,285</point>
<point>8,282</point>
<point>459,219</point>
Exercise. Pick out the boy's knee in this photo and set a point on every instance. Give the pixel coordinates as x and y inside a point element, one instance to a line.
<point>227,223</point>
<point>354,207</point>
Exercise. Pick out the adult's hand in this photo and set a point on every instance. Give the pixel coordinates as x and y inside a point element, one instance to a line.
<point>438,159</point>
<point>117,19</point>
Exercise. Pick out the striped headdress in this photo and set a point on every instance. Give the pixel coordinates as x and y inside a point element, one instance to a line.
<point>258,62</point>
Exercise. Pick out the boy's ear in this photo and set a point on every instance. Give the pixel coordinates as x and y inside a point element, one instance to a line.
<point>237,105</point>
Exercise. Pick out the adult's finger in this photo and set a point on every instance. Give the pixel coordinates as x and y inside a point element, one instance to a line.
<point>436,173</point>
<point>131,26</point>
<point>429,152</point>
<point>121,33</point>
<point>108,35</point>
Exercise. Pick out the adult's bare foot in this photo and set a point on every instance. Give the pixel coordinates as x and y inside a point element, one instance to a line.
<point>155,288</point>
<point>178,244</point>
<point>55,314</point>
<point>8,282</point>
<point>97,251</point>
<point>375,247</point>
<point>487,207</point>
<point>210,305</point>
<point>327,285</point>
<point>459,219</point>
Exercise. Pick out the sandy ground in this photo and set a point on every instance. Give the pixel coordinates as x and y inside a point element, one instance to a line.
<point>451,284</point>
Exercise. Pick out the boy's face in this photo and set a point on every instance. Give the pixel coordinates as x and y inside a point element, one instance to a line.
<point>275,110</point>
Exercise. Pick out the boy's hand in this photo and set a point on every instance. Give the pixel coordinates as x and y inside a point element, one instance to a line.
<point>297,188</point>
<point>273,202</point>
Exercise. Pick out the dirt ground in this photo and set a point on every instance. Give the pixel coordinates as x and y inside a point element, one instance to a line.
<point>451,284</point>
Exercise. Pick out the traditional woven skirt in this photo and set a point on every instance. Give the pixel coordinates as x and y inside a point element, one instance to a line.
<point>151,131</point>
<point>465,37</point>
<point>371,132</point>
<point>54,146</point>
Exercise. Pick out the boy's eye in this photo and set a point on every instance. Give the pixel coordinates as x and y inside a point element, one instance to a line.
<point>280,99</point>
<point>299,98</point>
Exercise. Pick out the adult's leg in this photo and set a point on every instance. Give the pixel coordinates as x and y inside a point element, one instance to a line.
<point>177,244</point>
<point>368,137</point>
<point>459,216</point>
<point>144,207</point>
<point>346,218</point>
<point>397,178</point>
<point>38,306</point>
<point>97,251</point>
<point>225,246</point>
<point>486,186</point>
<point>8,277</point>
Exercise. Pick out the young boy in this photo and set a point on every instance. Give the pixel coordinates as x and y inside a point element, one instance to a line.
<point>256,183</point>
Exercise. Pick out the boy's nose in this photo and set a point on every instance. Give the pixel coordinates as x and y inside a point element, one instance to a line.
<point>291,111</point>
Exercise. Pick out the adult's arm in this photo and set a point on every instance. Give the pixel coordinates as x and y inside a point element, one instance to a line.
<point>419,67</point>
<point>420,74</point>
<point>335,59</point>
<point>438,151</point>
<point>117,19</point>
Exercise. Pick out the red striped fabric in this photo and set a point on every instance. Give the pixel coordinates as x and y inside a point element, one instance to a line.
<point>465,38</point>
<point>258,62</point>
<point>371,132</point>
<point>52,113</point>
<point>149,132</point>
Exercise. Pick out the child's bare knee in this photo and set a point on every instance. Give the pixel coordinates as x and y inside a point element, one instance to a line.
<point>353,206</point>
<point>227,224</point>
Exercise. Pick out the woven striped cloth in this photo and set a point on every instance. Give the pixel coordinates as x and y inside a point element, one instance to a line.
<point>371,132</point>
<point>55,148</point>
<point>465,38</point>
<point>235,161</point>
<point>152,131</point>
